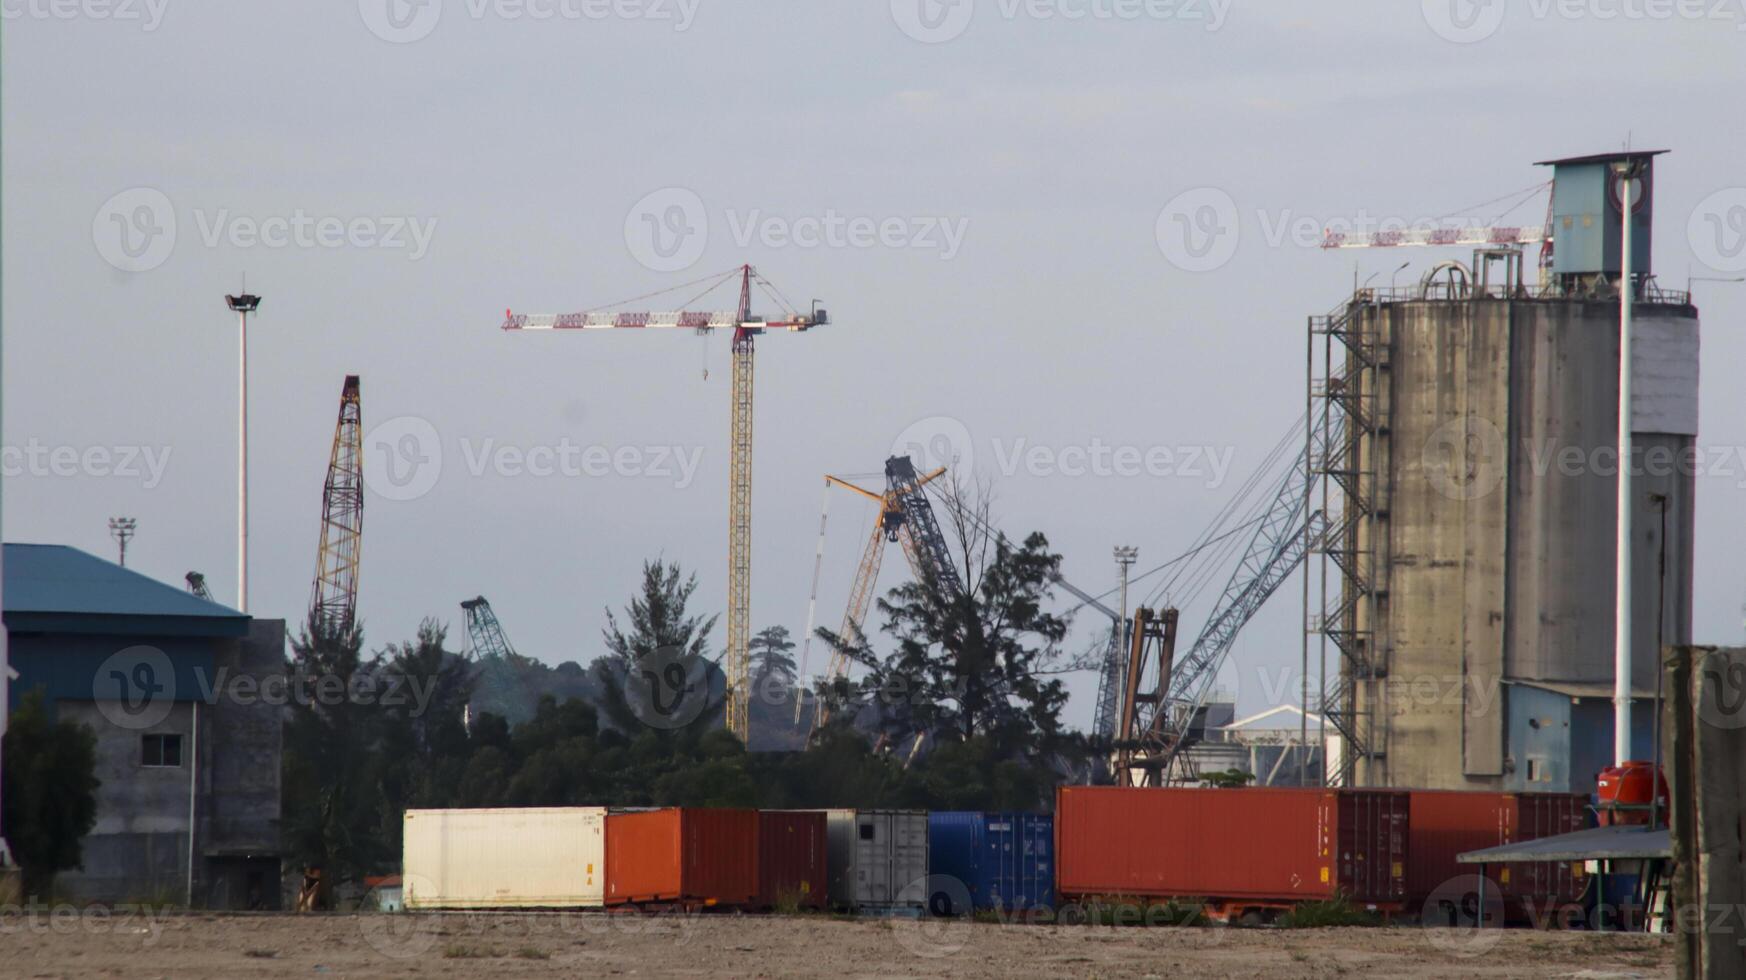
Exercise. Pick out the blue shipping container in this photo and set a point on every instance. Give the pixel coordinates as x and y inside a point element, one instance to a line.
<point>1003,861</point>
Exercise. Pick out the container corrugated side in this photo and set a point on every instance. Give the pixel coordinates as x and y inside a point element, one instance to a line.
<point>1548,884</point>
<point>691,856</point>
<point>1000,861</point>
<point>1447,823</point>
<point>793,858</point>
<point>534,857</point>
<point>1263,845</point>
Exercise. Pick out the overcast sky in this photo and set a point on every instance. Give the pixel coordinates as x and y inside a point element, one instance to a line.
<point>990,197</point>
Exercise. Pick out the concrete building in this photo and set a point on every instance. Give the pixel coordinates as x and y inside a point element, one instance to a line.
<point>188,808</point>
<point>1468,466</point>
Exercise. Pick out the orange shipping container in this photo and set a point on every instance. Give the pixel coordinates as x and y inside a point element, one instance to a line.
<point>1235,847</point>
<point>688,856</point>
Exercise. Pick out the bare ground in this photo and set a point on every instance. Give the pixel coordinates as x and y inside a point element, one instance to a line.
<point>582,944</point>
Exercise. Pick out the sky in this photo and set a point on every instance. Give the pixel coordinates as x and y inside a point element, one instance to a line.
<point>1072,240</point>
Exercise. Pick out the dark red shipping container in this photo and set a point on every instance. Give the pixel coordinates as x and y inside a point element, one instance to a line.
<point>1448,823</point>
<point>792,858</point>
<point>686,856</point>
<point>1232,847</point>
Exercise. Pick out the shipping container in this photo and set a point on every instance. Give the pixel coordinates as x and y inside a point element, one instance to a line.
<point>793,858</point>
<point>536,857</point>
<point>878,859</point>
<point>682,856</point>
<point>1236,848</point>
<point>1000,861</point>
<point>1447,823</point>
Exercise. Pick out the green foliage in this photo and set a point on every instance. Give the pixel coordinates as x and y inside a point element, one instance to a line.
<point>1229,779</point>
<point>772,655</point>
<point>1330,913</point>
<point>50,792</point>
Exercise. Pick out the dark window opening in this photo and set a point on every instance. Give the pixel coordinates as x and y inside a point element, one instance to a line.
<point>866,831</point>
<point>160,751</point>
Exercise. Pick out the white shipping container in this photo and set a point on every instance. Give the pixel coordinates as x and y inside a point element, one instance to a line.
<point>534,857</point>
<point>878,858</point>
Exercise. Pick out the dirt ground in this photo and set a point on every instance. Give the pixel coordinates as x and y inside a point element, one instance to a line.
<point>72,944</point>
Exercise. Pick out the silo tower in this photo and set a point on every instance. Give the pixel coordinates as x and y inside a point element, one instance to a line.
<point>1467,465</point>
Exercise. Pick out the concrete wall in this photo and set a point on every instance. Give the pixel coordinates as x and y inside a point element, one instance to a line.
<point>1495,510</point>
<point>138,850</point>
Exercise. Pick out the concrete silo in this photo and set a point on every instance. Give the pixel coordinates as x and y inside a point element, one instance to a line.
<point>1467,468</point>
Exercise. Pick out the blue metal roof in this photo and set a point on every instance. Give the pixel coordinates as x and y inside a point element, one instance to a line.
<point>56,589</point>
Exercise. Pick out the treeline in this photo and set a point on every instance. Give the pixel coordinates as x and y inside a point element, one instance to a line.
<point>960,714</point>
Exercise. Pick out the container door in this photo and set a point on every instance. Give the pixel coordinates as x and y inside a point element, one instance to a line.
<point>873,858</point>
<point>997,881</point>
<point>909,857</point>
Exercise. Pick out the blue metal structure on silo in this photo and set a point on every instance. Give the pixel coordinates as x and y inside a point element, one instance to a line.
<point>1586,196</point>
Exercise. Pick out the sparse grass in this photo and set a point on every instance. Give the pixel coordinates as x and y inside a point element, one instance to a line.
<point>788,902</point>
<point>459,951</point>
<point>532,953</point>
<point>1332,913</point>
<point>1125,911</point>
<point>261,954</point>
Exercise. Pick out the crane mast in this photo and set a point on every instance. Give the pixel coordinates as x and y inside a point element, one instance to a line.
<point>894,526</point>
<point>333,599</point>
<point>746,325</point>
<point>485,635</point>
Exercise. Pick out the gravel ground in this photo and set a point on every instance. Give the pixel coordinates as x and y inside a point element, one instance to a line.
<point>70,944</point>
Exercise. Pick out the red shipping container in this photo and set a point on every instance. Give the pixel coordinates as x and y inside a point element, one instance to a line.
<point>1448,823</point>
<point>792,858</point>
<point>706,857</point>
<point>1232,847</point>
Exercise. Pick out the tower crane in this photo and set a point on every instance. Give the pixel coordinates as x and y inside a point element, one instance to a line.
<point>1493,236</point>
<point>745,325</point>
<point>902,498</point>
<point>333,598</point>
<point>485,637</point>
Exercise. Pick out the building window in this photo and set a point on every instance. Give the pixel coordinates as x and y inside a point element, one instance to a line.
<point>160,751</point>
<point>1537,770</point>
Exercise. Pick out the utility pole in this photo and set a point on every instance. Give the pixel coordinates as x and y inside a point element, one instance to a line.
<point>1627,172</point>
<point>121,529</point>
<point>1125,556</point>
<point>242,305</point>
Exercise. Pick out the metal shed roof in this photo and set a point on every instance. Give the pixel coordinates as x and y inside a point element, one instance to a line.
<point>52,588</point>
<point>1593,844</point>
